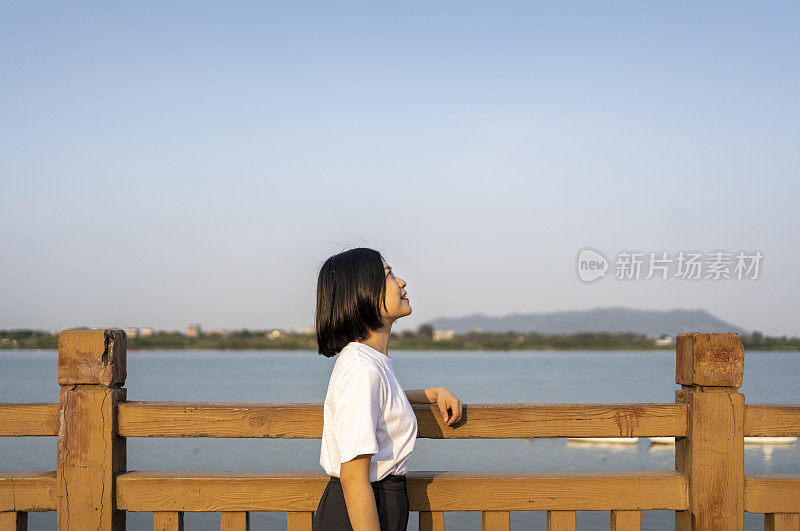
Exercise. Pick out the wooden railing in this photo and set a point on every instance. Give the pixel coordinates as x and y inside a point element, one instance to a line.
<point>91,487</point>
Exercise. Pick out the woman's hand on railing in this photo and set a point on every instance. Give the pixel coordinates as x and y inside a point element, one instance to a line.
<point>449,404</point>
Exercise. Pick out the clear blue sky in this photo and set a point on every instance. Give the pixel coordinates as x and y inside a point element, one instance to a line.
<point>180,162</point>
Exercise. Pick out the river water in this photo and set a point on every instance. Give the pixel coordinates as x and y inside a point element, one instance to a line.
<point>475,377</point>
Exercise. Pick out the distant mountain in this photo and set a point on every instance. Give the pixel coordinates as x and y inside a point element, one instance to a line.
<point>603,319</point>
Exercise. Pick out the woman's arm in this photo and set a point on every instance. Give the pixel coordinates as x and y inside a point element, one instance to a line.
<point>443,397</point>
<point>358,494</point>
<point>423,396</point>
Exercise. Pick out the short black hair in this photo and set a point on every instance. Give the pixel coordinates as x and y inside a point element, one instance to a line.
<point>351,289</point>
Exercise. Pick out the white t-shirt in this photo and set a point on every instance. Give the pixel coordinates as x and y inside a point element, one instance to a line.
<point>366,411</point>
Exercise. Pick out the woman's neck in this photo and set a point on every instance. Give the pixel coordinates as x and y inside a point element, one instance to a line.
<point>379,340</point>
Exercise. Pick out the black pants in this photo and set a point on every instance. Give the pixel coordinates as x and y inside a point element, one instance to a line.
<point>391,499</point>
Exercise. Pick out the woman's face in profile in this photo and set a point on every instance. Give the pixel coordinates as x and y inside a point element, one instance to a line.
<point>397,304</point>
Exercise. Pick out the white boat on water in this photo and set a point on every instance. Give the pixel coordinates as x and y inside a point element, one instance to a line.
<point>770,440</point>
<point>747,440</point>
<point>616,440</point>
<point>662,440</point>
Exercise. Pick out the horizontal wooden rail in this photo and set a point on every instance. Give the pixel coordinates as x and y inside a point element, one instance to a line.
<point>27,491</point>
<point>35,490</point>
<point>772,420</point>
<point>30,419</point>
<point>152,419</point>
<point>772,493</point>
<point>161,490</point>
<point>478,421</point>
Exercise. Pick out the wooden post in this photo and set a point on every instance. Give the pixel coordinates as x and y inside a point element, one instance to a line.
<point>710,368</point>
<point>432,520</point>
<point>91,371</point>
<point>561,520</point>
<point>495,521</point>
<point>781,521</point>
<point>15,521</point>
<point>626,520</point>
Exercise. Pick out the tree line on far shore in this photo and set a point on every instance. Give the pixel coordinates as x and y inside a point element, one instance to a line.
<point>424,338</point>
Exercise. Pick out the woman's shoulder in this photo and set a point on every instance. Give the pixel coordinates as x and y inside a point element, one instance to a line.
<point>354,362</point>
<point>353,366</point>
<point>353,355</point>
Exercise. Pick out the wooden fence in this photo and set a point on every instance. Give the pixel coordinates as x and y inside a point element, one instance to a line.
<point>91,487</point>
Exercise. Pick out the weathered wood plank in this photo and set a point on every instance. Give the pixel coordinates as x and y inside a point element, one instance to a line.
<point>626,520</point>
<point>561,520</point>
<point>781,522</point>
<point>495,521</point>
<point>30,419</point>
<point>710,368</point>
<point>772,420</point>
<point>95,357</point>
<point>88,456</point>
<point>772,493</point>
<point>712,455</point>
<point>479,421</point>
<point>709,359</point>
<point>89,452</point>
<point>167,521</point>
<point>431,521</point>
<point>427,491</point>
<point>27,491</point>
<point>234,521</point>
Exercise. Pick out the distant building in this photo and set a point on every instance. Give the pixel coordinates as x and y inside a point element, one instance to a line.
<point>275,334</point>
<point>193,330</point>
<point>443,335</point>
<point>309,330</point>
<point>146,332</point>
<point>665,341</point>
<point>131,332</point>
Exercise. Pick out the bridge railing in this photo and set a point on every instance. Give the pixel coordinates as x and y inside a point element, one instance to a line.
<point>91,487</point>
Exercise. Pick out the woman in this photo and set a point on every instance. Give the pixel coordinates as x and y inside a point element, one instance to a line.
<point>369,426</point>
